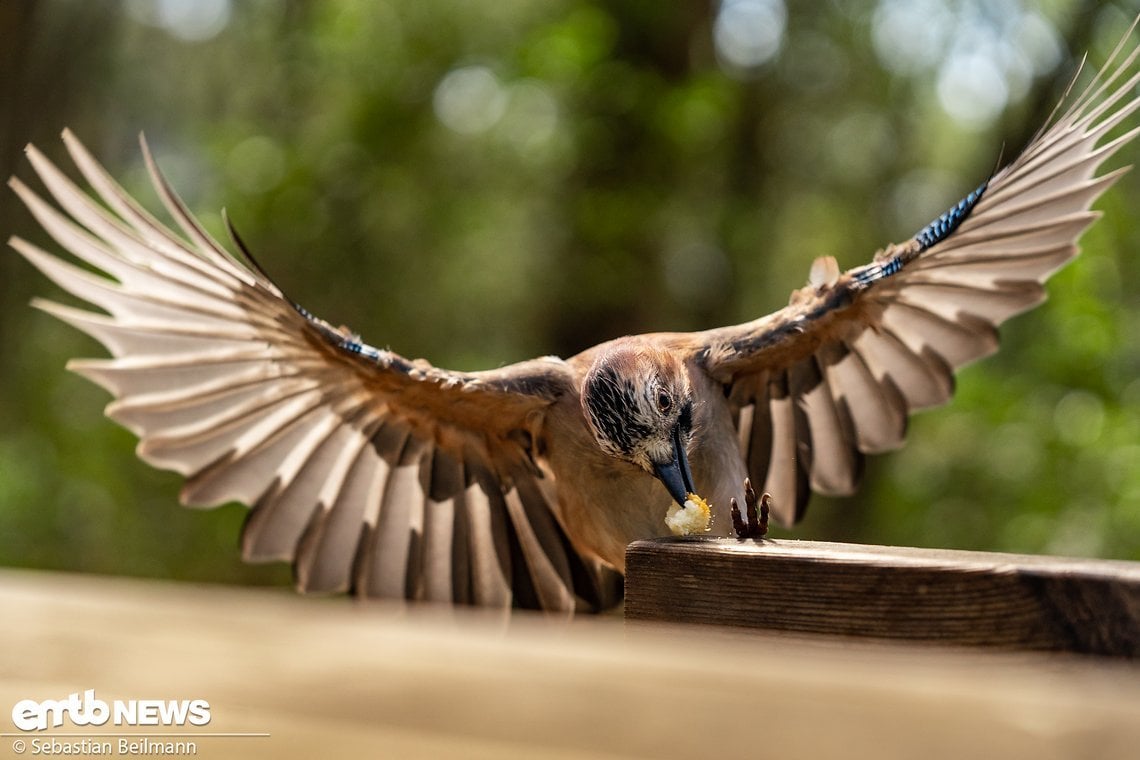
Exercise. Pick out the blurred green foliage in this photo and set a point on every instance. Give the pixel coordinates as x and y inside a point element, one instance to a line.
<point>481,182</point>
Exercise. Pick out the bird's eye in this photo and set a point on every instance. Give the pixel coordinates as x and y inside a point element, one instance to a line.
<point>664,402</point>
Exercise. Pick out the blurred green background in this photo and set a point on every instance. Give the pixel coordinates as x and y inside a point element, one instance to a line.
<point>482,182</point>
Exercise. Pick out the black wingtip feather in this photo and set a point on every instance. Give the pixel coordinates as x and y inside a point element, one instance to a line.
<point>242,248</point>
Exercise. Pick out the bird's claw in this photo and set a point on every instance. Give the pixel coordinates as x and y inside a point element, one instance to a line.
<point>757,525</point>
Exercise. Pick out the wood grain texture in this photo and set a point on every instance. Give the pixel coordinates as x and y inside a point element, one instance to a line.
<point>330,679</point>
<point>951,597</point>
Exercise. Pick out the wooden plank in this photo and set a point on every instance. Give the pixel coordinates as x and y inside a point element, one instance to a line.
<point>951,597</point>
<point>328,678</point>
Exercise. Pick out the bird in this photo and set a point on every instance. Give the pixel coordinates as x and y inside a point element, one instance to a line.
<point>521,486</point>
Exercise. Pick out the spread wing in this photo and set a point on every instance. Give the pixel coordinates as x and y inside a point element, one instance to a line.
<point>834,375</point>
<point>371,473</point>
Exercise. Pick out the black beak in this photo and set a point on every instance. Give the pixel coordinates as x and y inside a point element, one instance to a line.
<point>675,474</point>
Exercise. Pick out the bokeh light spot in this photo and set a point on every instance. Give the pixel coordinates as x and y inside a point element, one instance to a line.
<point>749,33</point>
<point>1079,418</point>
<point>189,20</point>
<point>256,164</point>
<point>470,100</point>
<point>972,89</point>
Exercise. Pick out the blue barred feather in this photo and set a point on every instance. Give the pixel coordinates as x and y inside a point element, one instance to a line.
<point>941,227</point>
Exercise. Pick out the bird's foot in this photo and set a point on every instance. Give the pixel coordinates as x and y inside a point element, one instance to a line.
<point>757,525</point>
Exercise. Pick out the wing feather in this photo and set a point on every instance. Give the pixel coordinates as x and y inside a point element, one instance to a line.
<point>113,299</point>
<point>370,472</point>
<point>444,536</point>
<point>756,424</point>
<point>878,411</point>
<point>884,340</point>
<point>147,338</point>
<point>274,527</point>
<point>488,545</point>
<point>128,264</point>
<point>131,375</point>
<point>246,478</point>
<point>920,378</point>
<point>958,338</point>
<point>542,544</point>
<point>388,564</point>
<point>153,233</point>
<point>836,462</point>
<point>198,446</point>
<point>322,563</point>
<point>787,478</point>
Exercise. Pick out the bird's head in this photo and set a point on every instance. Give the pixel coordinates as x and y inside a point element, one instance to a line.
<point>638,403</point>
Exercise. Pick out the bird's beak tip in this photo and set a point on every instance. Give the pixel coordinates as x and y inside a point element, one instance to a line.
<point>675,474</point>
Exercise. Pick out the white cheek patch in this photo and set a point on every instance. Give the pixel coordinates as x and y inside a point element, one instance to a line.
<point>658,450</point>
